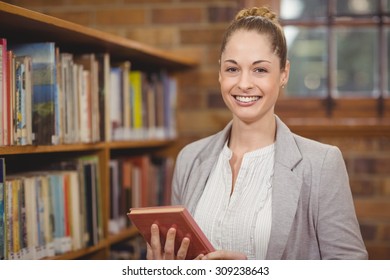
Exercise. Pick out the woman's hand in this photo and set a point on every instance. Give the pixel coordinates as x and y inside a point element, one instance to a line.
<point>155,252</point>
<point>224,255</point>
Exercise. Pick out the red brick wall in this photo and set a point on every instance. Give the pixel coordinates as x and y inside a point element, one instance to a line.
<point>193,28</point>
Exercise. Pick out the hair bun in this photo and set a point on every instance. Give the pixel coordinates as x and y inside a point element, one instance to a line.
<point>255,11</point>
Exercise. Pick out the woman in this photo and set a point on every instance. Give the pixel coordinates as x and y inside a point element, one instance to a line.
<point>257,190</point>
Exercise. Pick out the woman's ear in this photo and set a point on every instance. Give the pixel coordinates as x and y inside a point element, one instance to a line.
<point>285,74</point>
<point>219,71</point>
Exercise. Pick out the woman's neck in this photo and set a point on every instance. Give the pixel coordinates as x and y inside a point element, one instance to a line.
<point>249,137</point>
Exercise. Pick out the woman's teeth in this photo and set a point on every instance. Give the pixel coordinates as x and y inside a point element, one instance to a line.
<point>247,99</point>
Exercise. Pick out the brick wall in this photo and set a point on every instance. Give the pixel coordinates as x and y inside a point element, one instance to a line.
<point>193,28</point>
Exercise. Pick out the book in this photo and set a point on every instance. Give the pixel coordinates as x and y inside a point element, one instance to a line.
<point>23,100</point>
<point>103,60</point>
<point>3,87</point>
<point>171,216</point>
<point>45,89</point>
<point>90,66</point>
<point>2,225</point>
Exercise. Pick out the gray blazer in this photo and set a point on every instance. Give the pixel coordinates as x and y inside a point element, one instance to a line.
<point>313,215</point>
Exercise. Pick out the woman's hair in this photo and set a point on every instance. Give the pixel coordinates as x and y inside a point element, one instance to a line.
<point>263,21</point>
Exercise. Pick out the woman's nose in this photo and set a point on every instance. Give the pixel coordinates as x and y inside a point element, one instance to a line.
<point>245,82</point>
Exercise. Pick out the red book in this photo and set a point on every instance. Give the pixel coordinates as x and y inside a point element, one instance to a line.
<point>172,216</point>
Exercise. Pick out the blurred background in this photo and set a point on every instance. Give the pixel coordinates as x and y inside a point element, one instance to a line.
<point>338,92</point>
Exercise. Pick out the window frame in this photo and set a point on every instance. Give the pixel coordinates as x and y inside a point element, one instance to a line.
<point>343,107</point>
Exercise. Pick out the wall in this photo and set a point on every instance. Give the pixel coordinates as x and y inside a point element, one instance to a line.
<point>193,28</point>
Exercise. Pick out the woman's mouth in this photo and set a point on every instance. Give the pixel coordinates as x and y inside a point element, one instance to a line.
<point>246,99</point>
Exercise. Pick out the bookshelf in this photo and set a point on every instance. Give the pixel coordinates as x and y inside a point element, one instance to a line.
<point>19,25</point>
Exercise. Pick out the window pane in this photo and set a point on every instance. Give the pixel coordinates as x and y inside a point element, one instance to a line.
<point>307,52</point>
<point>387,7</point>
<point>303,9</point>
<point>357,7</point>
<point>357,62</point>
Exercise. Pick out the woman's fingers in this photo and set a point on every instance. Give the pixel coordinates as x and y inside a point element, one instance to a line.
<point>182,252</point>
<point>199,257</point>
<point>224,255</point>
<point>149,252</point>
<point>155,243</point>
<point>154,248</point>
<point>169,248</point>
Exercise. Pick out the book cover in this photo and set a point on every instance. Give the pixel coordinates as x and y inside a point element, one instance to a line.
<point>15,220</point>
<point>76,215</point>
<point>140,181</point>
<point>170,95</point>
<point>2,227</point>
<point>113,224</point>
<point>3,86</point>
<point>84,105</point>
<point>90,64</point>
<point>56,183</point>
<point>31,215</point>
<point>172,216</point>
<point>46,192</point>
<point>136,101</point>
<point>23,101</point>
<point>69,108</point>
<point>126,96</point>
<point>45,89</point>
<point>103,60</point>
<point>93,198</point>
<point>8,244</point>
<point>115,101</point>
<point>10,96</point>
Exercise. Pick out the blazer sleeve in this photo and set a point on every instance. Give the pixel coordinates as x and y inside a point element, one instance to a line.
<point>338,230</point>
<point>176,190</point>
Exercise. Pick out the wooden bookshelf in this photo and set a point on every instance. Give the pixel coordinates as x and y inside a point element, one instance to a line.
<point>22,25</point>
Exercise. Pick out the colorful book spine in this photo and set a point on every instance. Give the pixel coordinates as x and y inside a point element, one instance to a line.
<point>45,89</point>
<point>3,86</point>
<point>136,99</point>
<point>2,225</point>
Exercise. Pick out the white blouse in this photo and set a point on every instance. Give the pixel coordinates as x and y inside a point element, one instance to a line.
<point>241,221</point>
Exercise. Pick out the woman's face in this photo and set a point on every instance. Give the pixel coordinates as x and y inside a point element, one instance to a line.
<point>250,76</point>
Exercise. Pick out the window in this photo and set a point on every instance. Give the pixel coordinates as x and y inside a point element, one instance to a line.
<point>339,52</point>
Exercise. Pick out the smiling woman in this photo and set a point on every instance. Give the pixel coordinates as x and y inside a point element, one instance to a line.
<point>257,190</point>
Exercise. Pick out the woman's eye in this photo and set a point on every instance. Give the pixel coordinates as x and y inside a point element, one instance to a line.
<point>231,69</point>
<point>260,70</point>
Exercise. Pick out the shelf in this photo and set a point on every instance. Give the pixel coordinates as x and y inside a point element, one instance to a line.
<point>123,235</point>
<point>112,239</point>
<point>80,253</point>
<point>139,144</point>
<point>29,149</point>
<point>19,24</point>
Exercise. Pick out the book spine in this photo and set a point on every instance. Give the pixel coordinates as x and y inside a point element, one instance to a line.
<point>8,220</point>
<point>23,222</point>
<point>11,95</point>
<point>136,91</point>
<point>2,196</point>
<point>16,219</point>
<point>22,106</point>
<point>3,87</point>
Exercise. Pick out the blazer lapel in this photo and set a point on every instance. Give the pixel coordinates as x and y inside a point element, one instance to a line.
<point>197,181</point>
<point>286,189</point>
<point>202,168</point>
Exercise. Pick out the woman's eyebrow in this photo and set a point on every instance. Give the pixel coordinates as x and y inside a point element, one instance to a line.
<point>255,62</point>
